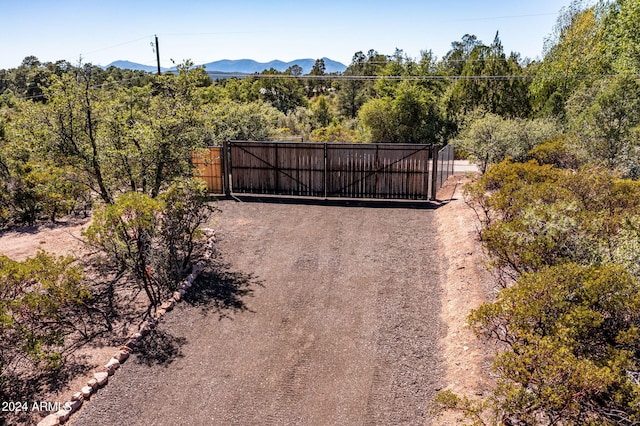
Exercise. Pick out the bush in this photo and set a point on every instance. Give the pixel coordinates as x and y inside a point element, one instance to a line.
<point>572,345</point>
<point>536,216</point>
<point>152,238</point>
<point>39,301</point>
<point>489,139</point>
<point>185,209</point>
<point>557,152</point>
<point>36,191</point>
<point>568,316</point>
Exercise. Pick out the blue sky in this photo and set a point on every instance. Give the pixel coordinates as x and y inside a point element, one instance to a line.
<point>205,31</point>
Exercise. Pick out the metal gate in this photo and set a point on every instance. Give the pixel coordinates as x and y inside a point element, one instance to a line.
<point>389,171</point>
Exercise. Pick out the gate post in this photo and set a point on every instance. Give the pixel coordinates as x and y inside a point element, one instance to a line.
<point>324,172</point>
<point>434,172</point>
<point>226,170</point>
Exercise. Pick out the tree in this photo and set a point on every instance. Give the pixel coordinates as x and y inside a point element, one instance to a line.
<point>488,138</point>
<point>354,92</point>
<point>456,59</point>
<point>492,83</point>
<point>606,119</point>
<point>351,94</point>
<point>375,116</point>
<point>295,70</point>
<point>168,127</point>
<point>152,238</point>
<point>316,85</point>
<point>285,94</point>
<point>573,54</point>
<point>116,137</point>
<point>410,117</point>
<point>30,78</point>
<point>321,113</point>
<point>318,68</point>
<point>230,120</point>
<point>621,35</point>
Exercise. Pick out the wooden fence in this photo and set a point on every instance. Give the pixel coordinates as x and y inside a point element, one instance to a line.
<point>388,171</point>
<point>208,163</point>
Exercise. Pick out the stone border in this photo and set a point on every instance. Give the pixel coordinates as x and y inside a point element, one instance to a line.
<point>101,377</point>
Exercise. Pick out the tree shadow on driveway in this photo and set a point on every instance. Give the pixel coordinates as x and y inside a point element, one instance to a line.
<point>159,348</point>
<point>221,290</point>
<point>218,290</point>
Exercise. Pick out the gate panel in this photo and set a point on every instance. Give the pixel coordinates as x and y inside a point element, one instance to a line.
<point>390,171</point>
<point>277,168</point>
<point>253,168</point>
<point>300,169</point>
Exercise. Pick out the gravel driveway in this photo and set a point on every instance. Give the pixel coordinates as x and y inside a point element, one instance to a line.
<point>311,315</point>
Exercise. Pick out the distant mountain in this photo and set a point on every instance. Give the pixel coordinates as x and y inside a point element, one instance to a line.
<point>128,65</point>
<point>243,66</point>
<point>250,66</point>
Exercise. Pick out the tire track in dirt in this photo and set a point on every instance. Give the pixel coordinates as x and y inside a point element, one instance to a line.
<point>341,327</point>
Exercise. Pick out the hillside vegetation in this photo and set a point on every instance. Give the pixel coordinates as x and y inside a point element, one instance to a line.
<point>558,139</point>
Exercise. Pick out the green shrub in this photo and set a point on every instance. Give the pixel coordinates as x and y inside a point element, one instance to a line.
<point>39,306</point>
<point>152,238</point>
<point>566,246</point>
<point>572,345</point>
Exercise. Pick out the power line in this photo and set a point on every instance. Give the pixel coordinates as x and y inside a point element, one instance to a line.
<point>117,45</point>
<point>368,78</point>
<point>493,18</point>
<point>411,77</point>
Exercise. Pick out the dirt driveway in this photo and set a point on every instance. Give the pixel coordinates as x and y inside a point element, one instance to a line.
<point>313,315</point>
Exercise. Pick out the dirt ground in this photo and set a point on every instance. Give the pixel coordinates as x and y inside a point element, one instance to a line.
<point>466,285</point>
<point>311,314</point>
<point>63,238</point>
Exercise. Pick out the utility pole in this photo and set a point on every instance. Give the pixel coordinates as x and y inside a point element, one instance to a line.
<point>158,55</point>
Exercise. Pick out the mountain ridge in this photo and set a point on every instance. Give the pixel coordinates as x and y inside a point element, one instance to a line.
<point>242,66</point>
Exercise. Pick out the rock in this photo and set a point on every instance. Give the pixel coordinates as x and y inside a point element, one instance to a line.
<point>177,296</point>
<point>101,378</point>
<point>86,391</point>
<point>112,366</point>
<point>50,420</point>
<point>75,405</point>
<point>182,291</point>
<point>77,396</point>
<point>93,383</point>
<point>125,348</point>
<point>168,305</point>
<point>160,312</point>
<point>121,356</point>
<point>63,415</point>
